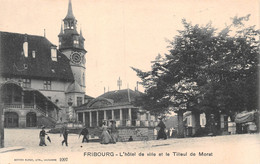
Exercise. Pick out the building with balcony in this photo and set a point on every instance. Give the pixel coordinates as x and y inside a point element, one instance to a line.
<point>40,80</point>
<point>26,107</point>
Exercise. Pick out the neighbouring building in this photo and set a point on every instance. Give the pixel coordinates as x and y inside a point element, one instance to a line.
<point>225,123</point>
<point>38,81</point>
<point>118,106</point>
<point>190,123</point>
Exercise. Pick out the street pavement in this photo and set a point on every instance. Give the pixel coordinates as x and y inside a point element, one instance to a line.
<point>22,146</point>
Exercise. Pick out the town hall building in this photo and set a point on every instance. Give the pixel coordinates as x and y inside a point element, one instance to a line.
<point>44,84</point>
<point>40,81</point>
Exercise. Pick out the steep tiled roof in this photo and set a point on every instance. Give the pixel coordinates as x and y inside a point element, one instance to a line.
<point>14,63</point>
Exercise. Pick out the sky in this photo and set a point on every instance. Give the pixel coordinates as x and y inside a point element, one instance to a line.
<point>120,34</point>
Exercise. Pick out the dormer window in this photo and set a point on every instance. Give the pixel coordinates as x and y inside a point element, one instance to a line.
<point>33,54</point>
<point>25,48</point>
<point>53,53</point>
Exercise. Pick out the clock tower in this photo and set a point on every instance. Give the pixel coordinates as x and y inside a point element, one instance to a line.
<point>71,43</point>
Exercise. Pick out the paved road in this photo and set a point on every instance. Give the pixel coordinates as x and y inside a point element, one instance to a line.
<point>244,149</point>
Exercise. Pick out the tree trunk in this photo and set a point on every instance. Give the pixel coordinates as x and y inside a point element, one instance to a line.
<point>180,124</point>
<point>207,126</point>
<point>197,121</point>
<point>217,123</point>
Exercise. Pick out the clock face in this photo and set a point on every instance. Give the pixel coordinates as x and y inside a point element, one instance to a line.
<point>75,58</point>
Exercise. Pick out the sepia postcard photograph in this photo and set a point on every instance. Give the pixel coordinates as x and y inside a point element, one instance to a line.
<point>129,81</point>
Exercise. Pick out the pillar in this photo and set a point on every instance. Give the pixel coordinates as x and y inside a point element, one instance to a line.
<point>84,121</point>
<point>105,115</point>
<point>97,118</point>
<point>129,114</point>
<point>129,121</point>
<point>113,116</point>
<point>121,116</point>
<point>34,100</point>
<point>22,99</point>
<point>90,119</point>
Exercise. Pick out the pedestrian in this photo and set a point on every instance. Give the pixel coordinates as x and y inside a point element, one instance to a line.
<point>113,131</point>
<point>105,138</point>
<point>130,139</point>
<point>84,132</point>
<point>64,132</point>
<point>161,133</point>
<point>212,126</point>
<point>42,137</point>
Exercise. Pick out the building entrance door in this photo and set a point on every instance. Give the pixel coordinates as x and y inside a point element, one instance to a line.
<point>31,119</point>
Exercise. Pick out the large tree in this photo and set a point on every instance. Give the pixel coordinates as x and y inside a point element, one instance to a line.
<point>204,71</point>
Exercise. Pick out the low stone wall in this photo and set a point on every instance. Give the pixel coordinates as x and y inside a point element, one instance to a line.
<point>124,133</point>
<point>137,133</point>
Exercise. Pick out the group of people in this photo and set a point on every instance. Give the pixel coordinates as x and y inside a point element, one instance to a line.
<point>64,132</point>
<point>109,134</point>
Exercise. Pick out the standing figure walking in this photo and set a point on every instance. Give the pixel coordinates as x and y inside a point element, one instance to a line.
<point>84,132</point>
<point>42,137</point>
<point>105,137</point>
<point>64,132</point>
<point>161,133</point>
<point>113,131</point>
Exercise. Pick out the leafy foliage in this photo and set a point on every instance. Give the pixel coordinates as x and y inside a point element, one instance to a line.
<point>205,70</point>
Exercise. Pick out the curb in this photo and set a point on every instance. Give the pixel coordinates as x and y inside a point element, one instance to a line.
<point>8,149</point>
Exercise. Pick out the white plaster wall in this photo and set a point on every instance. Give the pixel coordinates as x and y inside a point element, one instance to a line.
<point>202,120</point>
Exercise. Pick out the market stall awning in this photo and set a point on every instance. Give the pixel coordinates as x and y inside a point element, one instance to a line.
<point>245,117</point>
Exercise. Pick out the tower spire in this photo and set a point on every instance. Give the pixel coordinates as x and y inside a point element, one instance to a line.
<point>81,32</point>
<point>70,12</point>
<point>61,30</point>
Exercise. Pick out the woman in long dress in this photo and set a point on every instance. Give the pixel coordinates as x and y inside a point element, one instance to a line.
<point>161,133</point>
<point>42,137</point>
<point>105,138</point>
<point>113,132</point>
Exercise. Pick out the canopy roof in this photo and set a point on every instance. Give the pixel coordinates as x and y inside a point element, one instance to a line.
<point>245,117</point>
